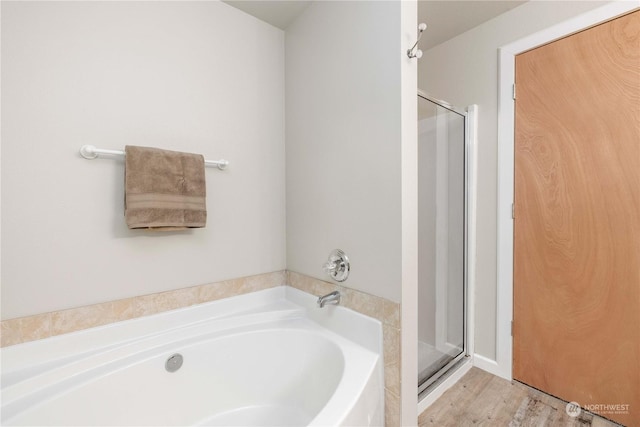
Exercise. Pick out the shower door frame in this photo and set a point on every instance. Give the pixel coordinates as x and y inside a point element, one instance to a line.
<point>469,204</point>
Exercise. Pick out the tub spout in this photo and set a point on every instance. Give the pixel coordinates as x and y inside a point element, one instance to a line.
<point>332,298</point>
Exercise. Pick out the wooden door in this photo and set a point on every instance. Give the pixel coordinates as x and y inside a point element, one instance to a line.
<point>576,325</point>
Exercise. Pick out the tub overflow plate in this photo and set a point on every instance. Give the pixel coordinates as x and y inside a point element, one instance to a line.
<point>173,363</point>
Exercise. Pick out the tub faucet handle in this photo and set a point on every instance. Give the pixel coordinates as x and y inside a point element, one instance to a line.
<point>332,298</point>
<point>330,266</point>
<point>337,266</point>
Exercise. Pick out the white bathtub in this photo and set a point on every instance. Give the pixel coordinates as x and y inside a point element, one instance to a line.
<point>271,358</point>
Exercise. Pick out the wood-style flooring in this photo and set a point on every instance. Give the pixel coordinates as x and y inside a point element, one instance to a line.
<point>482,399</point>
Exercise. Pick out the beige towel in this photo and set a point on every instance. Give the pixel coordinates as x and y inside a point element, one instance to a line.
<point>164,190</point>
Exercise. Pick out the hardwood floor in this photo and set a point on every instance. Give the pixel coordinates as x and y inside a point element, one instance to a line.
<point>482,399</point>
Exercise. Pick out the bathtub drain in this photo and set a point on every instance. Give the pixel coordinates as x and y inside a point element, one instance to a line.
<point>173,363</point>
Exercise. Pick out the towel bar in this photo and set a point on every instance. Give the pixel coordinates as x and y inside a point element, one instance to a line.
<point>90,152</point>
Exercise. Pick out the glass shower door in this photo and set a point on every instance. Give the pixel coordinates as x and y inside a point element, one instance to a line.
<point>441,239</point>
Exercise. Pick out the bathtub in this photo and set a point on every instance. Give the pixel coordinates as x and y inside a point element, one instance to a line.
<point>270,358</point>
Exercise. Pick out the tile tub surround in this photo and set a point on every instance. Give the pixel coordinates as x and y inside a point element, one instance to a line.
<point>24,329</point>
<point>387,312</point>
<point>30,328</point>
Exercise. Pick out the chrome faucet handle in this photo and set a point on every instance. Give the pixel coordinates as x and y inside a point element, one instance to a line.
<point>330,266</point>
<point>337,266</point>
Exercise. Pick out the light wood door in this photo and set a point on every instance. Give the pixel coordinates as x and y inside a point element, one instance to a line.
<point>577,219</point>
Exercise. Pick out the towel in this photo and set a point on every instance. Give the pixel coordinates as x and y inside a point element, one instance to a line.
<point>164,190</point>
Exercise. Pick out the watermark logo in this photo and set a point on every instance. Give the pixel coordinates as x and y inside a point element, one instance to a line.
<point>573,409</point>
<point>607,408</point>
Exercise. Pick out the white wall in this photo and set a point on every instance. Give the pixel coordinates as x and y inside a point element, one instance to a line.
<point>463,71</point>
<point>190,76</point>
<point>343,142</point>
<point>409,215</point>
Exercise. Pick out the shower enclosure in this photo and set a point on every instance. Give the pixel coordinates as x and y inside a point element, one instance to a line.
<point>442,207</point>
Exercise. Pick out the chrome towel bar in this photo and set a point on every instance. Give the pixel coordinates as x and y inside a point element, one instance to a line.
<point>90,152</point>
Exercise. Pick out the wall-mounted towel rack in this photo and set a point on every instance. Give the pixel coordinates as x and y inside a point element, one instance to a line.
<point>90,152</point>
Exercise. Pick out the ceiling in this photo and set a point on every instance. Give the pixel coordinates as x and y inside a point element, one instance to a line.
<point>279,13</point>
<point>445,19</point>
